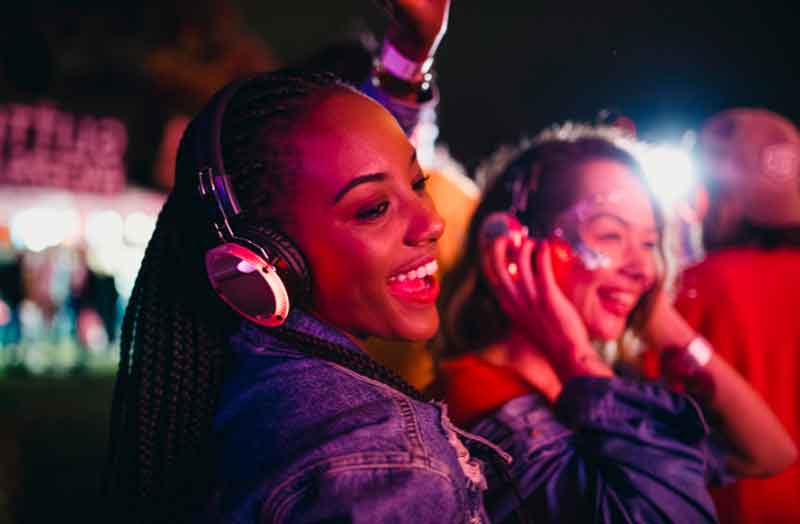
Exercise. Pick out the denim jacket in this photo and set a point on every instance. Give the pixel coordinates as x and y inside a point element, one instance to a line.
<point>305,440</point>
<point>610,450</point>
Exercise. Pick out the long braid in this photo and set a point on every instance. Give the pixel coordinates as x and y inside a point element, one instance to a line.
<point>173,342</point>
<point>166,388</point>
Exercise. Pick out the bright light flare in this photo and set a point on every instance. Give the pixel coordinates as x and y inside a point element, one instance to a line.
<point>39,228</point>
<point>104,228</point>
<point>669,171</point>
<point>139,228</point>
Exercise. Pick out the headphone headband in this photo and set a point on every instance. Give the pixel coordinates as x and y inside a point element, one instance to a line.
<point>256,269</point>
<point>213,182</point>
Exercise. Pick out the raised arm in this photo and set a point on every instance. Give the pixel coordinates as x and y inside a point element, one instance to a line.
<point>761,445</point>
<point>401,79</point>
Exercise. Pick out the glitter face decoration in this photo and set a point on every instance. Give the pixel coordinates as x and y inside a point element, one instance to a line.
<point>596,230</point>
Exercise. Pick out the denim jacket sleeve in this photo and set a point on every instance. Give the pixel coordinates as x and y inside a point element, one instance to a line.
<point>610,450</point>
<point>365,494</point>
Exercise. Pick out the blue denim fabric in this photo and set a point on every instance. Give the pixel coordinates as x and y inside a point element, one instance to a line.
<point>610,450</point>
<point>304,440</point>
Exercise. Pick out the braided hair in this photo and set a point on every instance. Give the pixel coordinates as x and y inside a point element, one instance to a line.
<point>175,330</point>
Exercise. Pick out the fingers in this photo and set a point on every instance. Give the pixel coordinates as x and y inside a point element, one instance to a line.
<point>545,277</point>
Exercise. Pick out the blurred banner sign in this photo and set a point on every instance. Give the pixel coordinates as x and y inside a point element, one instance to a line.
<point>41,145</point>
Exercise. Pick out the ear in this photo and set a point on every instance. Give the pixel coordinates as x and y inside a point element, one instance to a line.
<point>781,162</point>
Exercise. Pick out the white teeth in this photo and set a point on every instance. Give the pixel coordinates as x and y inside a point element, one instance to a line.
<point>421,272</point>
<point>623,297</point>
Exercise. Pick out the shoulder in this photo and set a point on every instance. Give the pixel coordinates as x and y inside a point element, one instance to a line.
<point>711,275</point>
<point>448,175</point>
<point>286,395</point>
<point>287,422</point>
<point>722,262</point>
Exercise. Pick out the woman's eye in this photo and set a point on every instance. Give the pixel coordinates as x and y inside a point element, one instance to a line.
<point>651,245</point>
<point>421,183</point>
<point>373,212</point>
<point>610,237</point>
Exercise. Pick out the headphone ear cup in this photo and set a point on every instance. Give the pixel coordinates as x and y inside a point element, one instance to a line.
<point>287,258</point>
<point>248,283</point>
<point>501,223</point>
<point>259,289</point>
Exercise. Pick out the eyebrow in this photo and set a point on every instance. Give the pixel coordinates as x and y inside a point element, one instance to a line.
<point>357,181</point>
<point>363,179</point>
<point>607,214</point>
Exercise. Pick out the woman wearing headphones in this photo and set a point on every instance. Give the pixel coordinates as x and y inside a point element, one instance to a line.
<point>564,255</point>
<point>299,206</point>
<point>306,426</point>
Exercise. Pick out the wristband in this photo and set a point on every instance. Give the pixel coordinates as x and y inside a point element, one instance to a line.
<point>392,61</point>
<point>700,350</point>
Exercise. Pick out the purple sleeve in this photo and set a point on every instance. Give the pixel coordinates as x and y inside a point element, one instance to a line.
<point>610,450</point>
<point>408,114</point>
<point>717,451</point>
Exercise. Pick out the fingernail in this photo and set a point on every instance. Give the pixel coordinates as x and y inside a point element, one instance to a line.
<point>513,270</point>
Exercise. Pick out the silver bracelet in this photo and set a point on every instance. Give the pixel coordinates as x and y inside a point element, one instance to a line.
<point>700,350</point>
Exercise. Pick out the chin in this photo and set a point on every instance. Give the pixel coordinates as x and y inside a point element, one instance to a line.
<point>606,331</point>
<point>418,330</point>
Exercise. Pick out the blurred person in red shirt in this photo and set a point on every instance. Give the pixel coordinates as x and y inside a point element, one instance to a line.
<point>745,296</point>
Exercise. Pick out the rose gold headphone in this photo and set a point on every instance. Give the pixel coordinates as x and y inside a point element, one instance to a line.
<point>256,269</point>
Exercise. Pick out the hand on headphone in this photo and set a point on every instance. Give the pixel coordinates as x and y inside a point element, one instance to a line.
<point>417,26</point>
<point>666,327</point>
<point>525,286</point>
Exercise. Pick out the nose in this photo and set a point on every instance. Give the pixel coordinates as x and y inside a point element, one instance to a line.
<point>425,224</point>
<point>640,265</point>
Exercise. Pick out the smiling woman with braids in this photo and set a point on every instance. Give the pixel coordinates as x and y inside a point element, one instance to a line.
<point>306,426</point>
<point>299,225</point>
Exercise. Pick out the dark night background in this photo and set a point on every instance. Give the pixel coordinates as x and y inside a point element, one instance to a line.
<point>505,68</point>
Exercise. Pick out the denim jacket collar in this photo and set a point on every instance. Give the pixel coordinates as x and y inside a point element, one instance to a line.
<point>301,322</point>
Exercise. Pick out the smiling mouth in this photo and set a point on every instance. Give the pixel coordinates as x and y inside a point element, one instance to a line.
<point>618,302</point>
<point>417,285</point>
